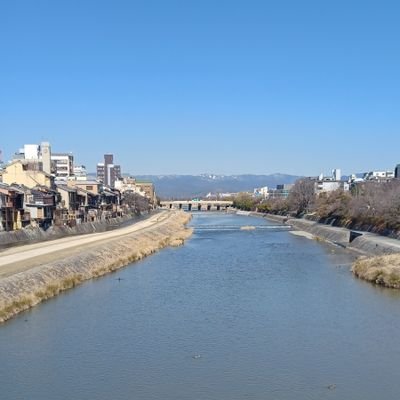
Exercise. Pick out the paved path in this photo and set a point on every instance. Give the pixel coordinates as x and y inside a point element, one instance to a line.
<point>18,259</point>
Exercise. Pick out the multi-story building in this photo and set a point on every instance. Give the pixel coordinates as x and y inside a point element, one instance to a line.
<point>36,154</point>
<point>397,171</point>
<point>108,172</point>
<point>330,186</point>
<point>62,166</point>
<point>379,176</point>
<point>80,173</point>
<point>148,189</point>
<point>281,191</point>
<point>337,174</point>
<point>100,172</point>
<point>261,192</point>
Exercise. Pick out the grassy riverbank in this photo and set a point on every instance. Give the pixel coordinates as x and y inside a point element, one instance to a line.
<point>24,290</point>
<point>381,270</point>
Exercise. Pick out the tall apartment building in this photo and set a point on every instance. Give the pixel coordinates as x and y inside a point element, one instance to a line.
<point>62,165</point>
<point>397,171</point>
<point>108,172</point>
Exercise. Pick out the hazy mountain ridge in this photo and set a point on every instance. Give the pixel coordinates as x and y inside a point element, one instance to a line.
<point>189,186</point>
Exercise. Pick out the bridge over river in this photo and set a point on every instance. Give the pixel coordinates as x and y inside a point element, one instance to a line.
<point>197,205</point>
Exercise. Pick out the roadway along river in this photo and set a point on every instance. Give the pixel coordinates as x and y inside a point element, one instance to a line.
<point>233,314</point>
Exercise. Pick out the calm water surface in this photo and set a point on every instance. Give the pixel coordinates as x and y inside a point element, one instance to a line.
<point>233,314</point>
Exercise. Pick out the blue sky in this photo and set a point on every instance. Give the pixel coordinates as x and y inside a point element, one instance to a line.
<point>204,86</point>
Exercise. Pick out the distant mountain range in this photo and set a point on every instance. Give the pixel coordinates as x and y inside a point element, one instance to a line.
<point>192,186</point>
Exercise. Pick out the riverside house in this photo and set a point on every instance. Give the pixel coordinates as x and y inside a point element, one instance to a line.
<point>12,214</point>
<point>28,174</point>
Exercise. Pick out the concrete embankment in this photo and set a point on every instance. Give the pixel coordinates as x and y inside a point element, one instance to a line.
<point>34,235</point>
<point>365,243</point>
<point>380,261</point>
<point>25,289</point>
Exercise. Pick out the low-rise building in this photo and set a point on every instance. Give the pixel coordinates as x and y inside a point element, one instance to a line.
<point>26,173</point>
<point>11,208</point>
<point>323,186</point>
<point>379,176</point>
<point>281,191</point>
<point>92,186</point>
<point>40,202</point>
<point>149,191</point>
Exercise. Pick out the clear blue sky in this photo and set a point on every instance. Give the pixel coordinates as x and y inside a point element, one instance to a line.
<point>204,86</point>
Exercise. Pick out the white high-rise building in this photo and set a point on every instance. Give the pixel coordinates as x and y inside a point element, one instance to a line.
<point>337,174</point>
<point>62,165</point>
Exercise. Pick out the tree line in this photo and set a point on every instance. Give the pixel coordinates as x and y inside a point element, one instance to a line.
<point>368,205</point>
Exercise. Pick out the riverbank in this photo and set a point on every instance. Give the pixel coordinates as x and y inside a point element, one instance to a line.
<point>381,270</point>
<point>380,256</point>
<point>65,263</point>
<point>31,235</point>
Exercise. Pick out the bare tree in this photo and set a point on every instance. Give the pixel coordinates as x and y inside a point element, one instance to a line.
<point>301,196</point>
<point>136,202</point>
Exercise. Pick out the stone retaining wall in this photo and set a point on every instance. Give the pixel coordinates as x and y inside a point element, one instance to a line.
<point>32,235</point>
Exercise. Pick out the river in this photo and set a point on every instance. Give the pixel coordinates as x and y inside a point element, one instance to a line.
<point>233,314</point>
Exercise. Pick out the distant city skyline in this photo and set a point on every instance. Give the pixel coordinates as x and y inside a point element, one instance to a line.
<point>204,87</point>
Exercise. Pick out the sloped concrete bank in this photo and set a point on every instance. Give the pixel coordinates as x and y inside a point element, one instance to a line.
<point>32,235</point>
<point>365,243</point>
<point>380,261</point>
<point>24,290</point>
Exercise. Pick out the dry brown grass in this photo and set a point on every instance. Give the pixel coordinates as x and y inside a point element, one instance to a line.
<point>381,270</point>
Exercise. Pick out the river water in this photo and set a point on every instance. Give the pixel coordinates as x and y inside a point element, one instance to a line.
<point>233,314</point>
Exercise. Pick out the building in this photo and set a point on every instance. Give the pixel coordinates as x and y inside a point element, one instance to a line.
<point>379,176</point>
<point>126,185</point>
<point>281,191</point>
<point>107,171</point>
<point>45,157</point>
<point>62,166</point>
<point>27,173</point>
<point>397,171</point>
<point>80,172</point>
<point>148,189</point>
<point>36,154</point>
<point>323,186</point>
<point>337,174</point>
<point>261,192</point>
<point>113,173</point>
<point>40,203</point>
<point>12,214</point>
<point>93,187</point>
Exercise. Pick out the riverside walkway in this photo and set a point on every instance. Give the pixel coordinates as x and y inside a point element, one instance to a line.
<point>19,259</point>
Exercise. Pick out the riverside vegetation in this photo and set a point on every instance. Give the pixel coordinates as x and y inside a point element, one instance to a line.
<point>368,206</point>
<point>24,290</point>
